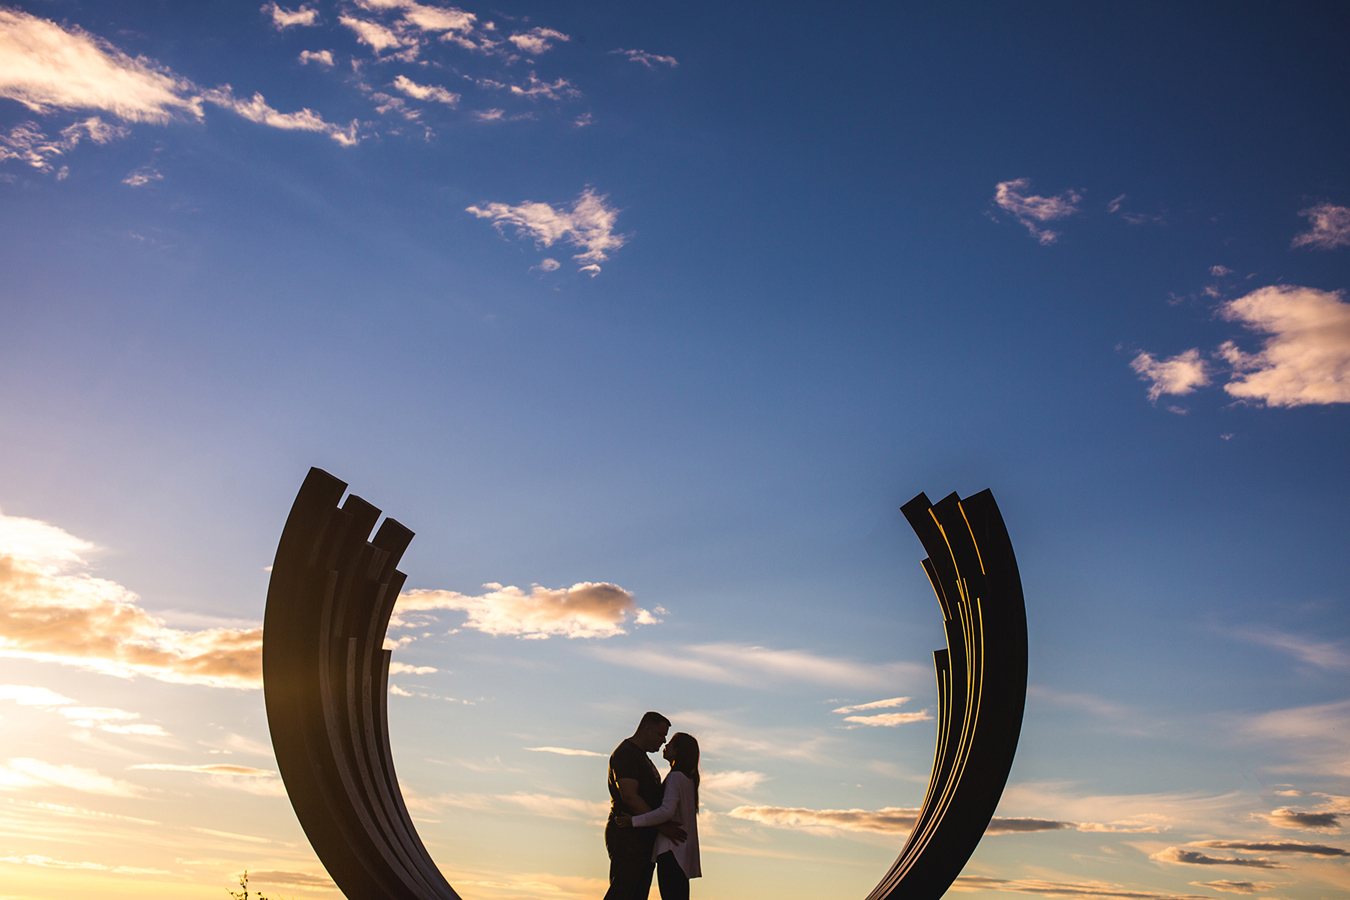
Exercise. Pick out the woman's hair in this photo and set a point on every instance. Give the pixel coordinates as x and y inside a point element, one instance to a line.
<point>685,749</point>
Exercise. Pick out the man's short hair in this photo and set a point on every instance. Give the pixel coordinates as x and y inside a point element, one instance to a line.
<point>652,720</point>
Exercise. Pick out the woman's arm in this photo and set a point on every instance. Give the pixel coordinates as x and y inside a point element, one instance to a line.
<point>669,803</point>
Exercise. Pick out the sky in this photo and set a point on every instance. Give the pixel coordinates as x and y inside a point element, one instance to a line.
<point>647,318</point>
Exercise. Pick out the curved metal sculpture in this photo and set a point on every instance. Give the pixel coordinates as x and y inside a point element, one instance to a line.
<point>982,688</point>
<point>326,680</point>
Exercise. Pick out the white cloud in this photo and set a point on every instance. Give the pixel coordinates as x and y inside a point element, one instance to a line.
<point>22,774</point>
<point>563,751</point>
<point>1220,271</point>
<point>45,66</point>
<point>890,720</point>
<point>51,610</point>
<point>592,270</point>
<point>286,18</point>
<point>28,143</point>
<point>650,60</point>
<point>142,176</point>
<point>210,769</point>
<point>26,695</point>
<point>48,862</point>
<point>426,92</point>
<point>257,110</point>
<point>875,704</point>
<point>1306,358</point>
<point>1180,374</point>
<point>585,610</point>
<point>1031,209</point>
<point>588,225</point>
<point>1330,227</point>
<point>549,265</point>
<point>537,40</point>
<point>561,89</point>
<point>320,57</point>
<point>398,668</point>
<point>374,35</point>
<point>751,666</point>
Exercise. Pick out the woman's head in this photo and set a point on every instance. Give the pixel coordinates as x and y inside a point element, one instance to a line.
<point>682,751</point>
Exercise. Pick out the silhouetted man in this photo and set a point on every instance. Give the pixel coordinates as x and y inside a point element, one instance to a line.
<point>635,788</point>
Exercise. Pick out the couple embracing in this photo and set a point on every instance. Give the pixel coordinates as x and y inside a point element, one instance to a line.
<point>652,825</point>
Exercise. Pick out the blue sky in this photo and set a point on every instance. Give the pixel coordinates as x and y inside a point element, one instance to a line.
<point>685,300</point>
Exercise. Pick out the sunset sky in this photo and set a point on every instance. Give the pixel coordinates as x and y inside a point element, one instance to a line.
<point>647,318</point>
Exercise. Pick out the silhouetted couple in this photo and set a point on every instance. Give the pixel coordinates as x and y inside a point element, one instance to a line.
<point>651,824</point>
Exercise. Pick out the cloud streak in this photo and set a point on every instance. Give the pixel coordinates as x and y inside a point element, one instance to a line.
<point>1182,856</point>
<point>1180,374</point>
<point>748,665</point>
<point>890,820</point>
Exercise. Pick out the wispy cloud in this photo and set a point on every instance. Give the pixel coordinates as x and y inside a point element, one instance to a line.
<point>550,806</point>
<point>23,774</point>
<point>1138,813</point>
<point>535,89</point>
<point>1180,374</point>
<point>426,91</point>
<point>209,769</point>
<point>48,862</point>
<point>1196,858</point>
<point>588,225</point>
<point>51,610</point>
<point>585,610</point>
<point>29,144</point>
<point>650,60</point>
<point>1332,655</point>
<point>1306,358</point>
<point>1330,227</point>
<point>1238,887</point>
<point>537,40</point>
<point>283,18</point>
<point>290,879</point>
<point>1033,210</point>
<point>45,66</point>
<point>752,666</point>
<point>875,704</point>
<point>564,751</point>
<point>257,110</point>
<point>890,820</point>
<point>142,176</point>
<point>1274,847</point>
<point>890,720</point>
<point>1072,890</point>
<point>729,786</point>
<point>1312,738</point>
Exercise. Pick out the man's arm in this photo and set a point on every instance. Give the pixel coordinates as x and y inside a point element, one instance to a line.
<point>628,793</point>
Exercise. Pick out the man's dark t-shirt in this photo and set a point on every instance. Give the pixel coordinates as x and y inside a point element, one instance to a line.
<point>629,761</point>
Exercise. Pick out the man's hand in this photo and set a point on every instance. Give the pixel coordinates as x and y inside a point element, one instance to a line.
<point>672,831</point>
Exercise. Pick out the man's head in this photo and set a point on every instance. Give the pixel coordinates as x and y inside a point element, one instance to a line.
<point>651,732</point>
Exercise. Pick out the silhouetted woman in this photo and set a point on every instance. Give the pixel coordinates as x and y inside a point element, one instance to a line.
<point>675,863</point>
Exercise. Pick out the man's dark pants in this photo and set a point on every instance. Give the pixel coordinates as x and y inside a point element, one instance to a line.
<point>630,862</point>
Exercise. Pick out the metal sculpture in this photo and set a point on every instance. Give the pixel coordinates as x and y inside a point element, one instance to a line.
<point>982,688</point>
<point>326,680</point>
